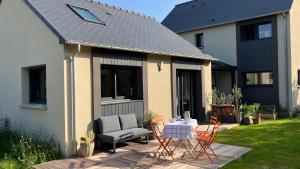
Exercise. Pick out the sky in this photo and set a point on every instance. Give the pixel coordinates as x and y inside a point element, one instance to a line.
<point>155,8</point>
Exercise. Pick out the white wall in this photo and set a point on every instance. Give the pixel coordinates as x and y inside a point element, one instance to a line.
<point>219,41</point>
<point>26,41</point>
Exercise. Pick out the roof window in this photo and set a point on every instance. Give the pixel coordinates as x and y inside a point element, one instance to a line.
<point>85,14</point>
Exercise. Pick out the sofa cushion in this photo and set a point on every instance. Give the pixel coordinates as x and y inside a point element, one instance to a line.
<point>110,124</point>
<point>128,121</point>
<point>115,136</point>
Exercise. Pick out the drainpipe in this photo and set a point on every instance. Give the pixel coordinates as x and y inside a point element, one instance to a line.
<point>73,109</point>
<point>286,60</point>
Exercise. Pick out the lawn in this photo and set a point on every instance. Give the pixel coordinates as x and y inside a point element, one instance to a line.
<point>275,144</point>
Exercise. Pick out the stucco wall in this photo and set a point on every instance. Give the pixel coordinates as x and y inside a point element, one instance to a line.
<point>295,53</point>
<point>83,93</point>
<point>159,86</point>
<point>219,41</point>
<point>283,59</point>
<point>26,41</point>
<point>206,85</point>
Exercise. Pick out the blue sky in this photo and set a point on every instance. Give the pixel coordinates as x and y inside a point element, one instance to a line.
<point>156,8</point>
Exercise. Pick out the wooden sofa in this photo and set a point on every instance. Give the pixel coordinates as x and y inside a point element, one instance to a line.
<point>268,112</point>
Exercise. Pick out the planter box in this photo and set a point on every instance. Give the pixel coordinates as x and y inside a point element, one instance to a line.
<point>226,113</point>
<point>87,149</point>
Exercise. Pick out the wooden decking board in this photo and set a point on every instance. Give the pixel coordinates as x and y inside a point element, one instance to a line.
<point>140,156</point>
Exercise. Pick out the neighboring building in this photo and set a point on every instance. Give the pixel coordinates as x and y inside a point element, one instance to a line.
<point>65,63</point>
<point>258,38</point>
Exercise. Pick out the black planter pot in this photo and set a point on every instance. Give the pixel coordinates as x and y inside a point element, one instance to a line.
<point>246,121</point>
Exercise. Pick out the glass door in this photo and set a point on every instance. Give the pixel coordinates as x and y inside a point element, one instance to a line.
<point>185,92</point>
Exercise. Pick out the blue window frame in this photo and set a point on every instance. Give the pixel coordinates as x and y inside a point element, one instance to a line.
<point>85,15</point>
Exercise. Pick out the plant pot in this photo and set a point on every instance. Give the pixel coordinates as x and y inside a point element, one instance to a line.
<point>150,127</point>
<point>247,120</point>
<point>87,150</point>
<point>257,119</point>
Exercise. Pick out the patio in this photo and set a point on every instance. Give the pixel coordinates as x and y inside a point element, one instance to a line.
<point>136,155</point>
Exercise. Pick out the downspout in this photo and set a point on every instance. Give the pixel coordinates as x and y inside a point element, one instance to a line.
<point>73,109</point>
<point>286,60</point>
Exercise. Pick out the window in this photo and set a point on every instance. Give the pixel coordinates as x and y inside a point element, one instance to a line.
<point>256,31</point>
<point>119,82</point>
<point>199,40</point>
<point>261,78</point>
<point>265,31</point>
<point>37,85</point>
<point>86,15</point>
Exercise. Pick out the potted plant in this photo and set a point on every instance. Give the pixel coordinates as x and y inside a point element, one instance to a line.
<point>222,106</point>
<point>247,113</point>
<point>87,144</point>
<point>237,96</point>
<point>257,116</point>
<point>149,123</point>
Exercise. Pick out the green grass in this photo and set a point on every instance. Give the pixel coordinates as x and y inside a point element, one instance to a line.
<point>18,151</point>
<point>275,144</point>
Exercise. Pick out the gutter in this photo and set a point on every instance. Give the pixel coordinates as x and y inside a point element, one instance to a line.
<point>73,94</point>
<point>287,65</point>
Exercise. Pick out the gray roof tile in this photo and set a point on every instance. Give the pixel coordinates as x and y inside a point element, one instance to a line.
<point>123,30</point>
<point>205,13</point>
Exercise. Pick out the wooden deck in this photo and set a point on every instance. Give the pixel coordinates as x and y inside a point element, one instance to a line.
<point>140,156</point>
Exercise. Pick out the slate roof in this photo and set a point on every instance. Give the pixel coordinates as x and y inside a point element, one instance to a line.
<point>205,13</point>
<point>123,30</point>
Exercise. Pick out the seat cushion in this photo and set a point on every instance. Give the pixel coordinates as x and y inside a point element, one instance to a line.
<point>109,124</point>
<point>115,136</point>
<point>128,121</point>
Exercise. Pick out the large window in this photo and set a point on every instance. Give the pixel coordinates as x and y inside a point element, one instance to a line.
<point>259,78</point>
<point>256,31</point>
<point>37,85</point>
<point>199,40</point>
<point>119,82</point>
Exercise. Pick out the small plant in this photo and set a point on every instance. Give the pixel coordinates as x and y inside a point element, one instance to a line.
<point>237,96</point>
<point>149,117</point>
<point>89,138</point>
<point>248,109</point>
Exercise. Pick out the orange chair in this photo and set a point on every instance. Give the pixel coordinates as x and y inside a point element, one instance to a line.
<point>163,143</point>
<point>206,140</point>
<point>213,120</point>
<point>160,120</point>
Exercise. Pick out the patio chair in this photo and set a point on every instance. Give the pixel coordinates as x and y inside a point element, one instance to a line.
<point>159,120</point>
<point>213,120</point>
<point>205,142</point>
<point>163,143</point>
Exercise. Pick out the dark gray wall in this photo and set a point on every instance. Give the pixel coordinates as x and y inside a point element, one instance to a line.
<point>258,56</point>
<point>120,58</point>
<point>131,107</point>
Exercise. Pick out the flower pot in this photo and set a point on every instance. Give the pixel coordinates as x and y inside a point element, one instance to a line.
<point>257,119</point>
<point>150,127</point>
<point>87,149</point>
<point>247,120</point>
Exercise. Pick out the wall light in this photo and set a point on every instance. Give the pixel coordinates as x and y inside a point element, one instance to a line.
<point>160,65</point>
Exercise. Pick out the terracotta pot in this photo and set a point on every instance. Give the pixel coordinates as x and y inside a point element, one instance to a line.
<point>87,150</point>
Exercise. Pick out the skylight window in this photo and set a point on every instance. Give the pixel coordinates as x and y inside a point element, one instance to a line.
<point>86,15</point>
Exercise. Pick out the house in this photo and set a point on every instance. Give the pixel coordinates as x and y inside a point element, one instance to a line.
<point>65,63</point>
<point>256,42</point>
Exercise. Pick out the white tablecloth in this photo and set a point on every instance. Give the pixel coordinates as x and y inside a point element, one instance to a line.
<point>179,129</point>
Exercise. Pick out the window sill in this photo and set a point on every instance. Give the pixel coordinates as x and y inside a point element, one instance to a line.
<point>34,106</point>
<point>118,101</point>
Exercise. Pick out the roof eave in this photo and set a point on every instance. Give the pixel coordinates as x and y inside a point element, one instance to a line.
<point>73,42</point>
<point>224,23</point>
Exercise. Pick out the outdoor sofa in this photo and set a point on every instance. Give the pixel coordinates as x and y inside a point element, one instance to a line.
<point>120,128</point>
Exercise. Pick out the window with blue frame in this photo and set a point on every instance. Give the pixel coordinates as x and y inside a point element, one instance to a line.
<point>86,15</point>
